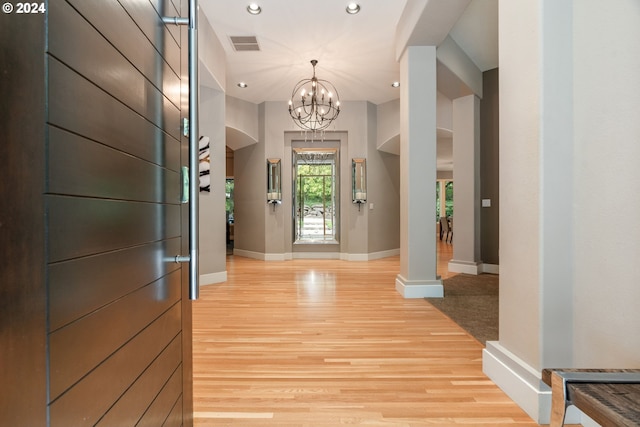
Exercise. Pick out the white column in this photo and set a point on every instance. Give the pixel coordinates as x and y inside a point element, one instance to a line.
<point>417,277</point>
<point>537,190</point>
<point>466,188</point>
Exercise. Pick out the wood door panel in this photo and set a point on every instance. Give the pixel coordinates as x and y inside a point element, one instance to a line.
<point>113,212</point>
<point>163,405</point>
<point>76,43</point>
<point>162,8</point>
<point>148,19</point>
<point>132,28</point>
<point>105,119</point>
<point>81,167</point>
<point>152,351</point>
<point>81,226</point>
<point>130,408</point>
<point>92,309</point>
<point>80,346</point>
<point>175,418</point>
<point>82,285</point>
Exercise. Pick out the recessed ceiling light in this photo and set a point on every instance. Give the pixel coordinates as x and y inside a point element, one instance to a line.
<point>242,85</point>
<point>353,8</point>
<point>254,9</point>
<point>395,84</point>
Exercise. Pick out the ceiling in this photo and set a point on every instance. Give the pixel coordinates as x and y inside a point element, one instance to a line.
<point>357,53</point>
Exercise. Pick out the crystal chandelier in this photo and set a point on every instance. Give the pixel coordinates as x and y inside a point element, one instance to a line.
<point>314,103</point>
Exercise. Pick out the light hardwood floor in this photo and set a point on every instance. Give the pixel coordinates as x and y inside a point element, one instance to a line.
<point>314,343</point>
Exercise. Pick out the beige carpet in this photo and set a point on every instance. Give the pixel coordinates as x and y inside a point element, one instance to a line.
<point>472,302</point>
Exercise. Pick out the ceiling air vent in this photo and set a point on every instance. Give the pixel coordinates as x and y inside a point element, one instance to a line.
<point>244,43</point>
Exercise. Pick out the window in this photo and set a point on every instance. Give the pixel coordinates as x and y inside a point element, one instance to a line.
<point>447,187</point>
<point>315,188</point>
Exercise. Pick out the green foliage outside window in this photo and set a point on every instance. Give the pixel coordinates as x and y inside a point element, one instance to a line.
<point>228,190</point>
<point>448,188</point>
<point>316,181</point>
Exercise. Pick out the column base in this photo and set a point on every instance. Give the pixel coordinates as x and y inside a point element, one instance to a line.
<point>518,380</point>
<point>522,383</point>
<point>419,288</point>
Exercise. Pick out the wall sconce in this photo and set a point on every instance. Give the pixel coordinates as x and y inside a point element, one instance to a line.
<point>359,181</point>
<point>274,183</point>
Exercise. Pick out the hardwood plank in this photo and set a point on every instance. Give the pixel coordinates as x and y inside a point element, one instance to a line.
<point>326,343</point>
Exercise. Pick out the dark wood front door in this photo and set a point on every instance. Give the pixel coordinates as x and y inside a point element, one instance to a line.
<point>95,314</point>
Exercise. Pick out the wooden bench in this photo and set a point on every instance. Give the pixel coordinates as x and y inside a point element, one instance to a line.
<point>611,397</point>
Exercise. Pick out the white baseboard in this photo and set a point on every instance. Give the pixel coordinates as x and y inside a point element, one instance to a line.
<point>249,254</point>
<point>521,383</point>
<point>491,268</point>
<point>355,257</point>
<point>419,288</point>
<point>384,254</point>
<point>212,278</point>
<point>474,268</point>
<point>317,255</point>
<point>275,257</point>
<point>466,267</point>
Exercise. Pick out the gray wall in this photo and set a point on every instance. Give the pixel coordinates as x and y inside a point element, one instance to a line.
<point>250,198</point>
<point>383,192</point>
<point>118,324</point>
<point>212,204</point>
<point>489,168</point>
<point>212,124</point>
<point>263,232</point>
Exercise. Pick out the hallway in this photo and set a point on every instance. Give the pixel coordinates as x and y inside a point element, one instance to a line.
<point>325,343</point>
